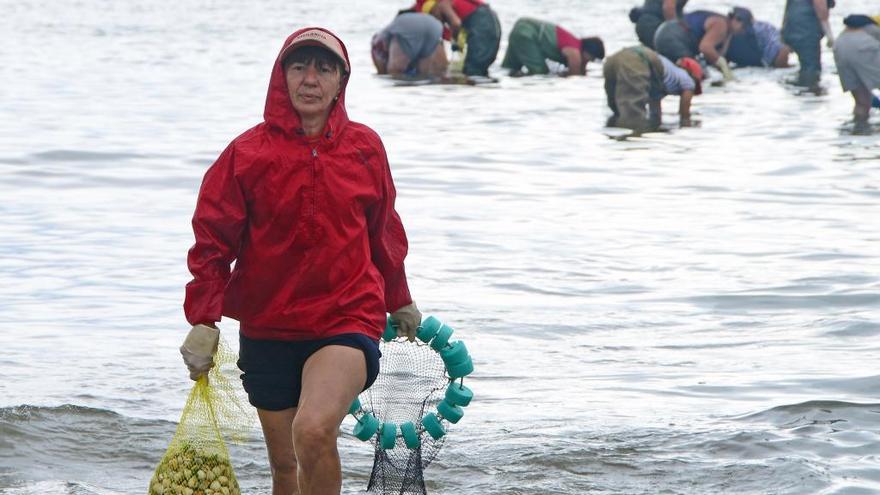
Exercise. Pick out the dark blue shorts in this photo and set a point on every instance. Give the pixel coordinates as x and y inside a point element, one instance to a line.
<point>272,369</point>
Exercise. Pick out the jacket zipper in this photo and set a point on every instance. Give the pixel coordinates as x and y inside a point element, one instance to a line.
<point>314,205</point>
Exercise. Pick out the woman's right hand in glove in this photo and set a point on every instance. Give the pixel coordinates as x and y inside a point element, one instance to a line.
<point>198,350</point>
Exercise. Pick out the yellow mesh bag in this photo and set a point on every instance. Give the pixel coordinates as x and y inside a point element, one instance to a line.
<point>197,460</point>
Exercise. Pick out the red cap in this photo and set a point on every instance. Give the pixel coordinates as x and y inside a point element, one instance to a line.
<point>316,37</point>
<point>695,70</point>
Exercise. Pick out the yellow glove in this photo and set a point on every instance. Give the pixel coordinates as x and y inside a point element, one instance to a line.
<point>198,350</point>
<point>722,65</point>
<point>829,34</point>
<point>407,319</point>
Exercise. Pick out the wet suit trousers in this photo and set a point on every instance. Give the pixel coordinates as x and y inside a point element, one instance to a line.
<point>526,46</point>
<point>646,26</point>
<point>483,39</point>
<point>803,33</point>
<point>631,81</point>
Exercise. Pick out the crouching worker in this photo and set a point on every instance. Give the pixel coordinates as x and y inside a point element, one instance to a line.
<point>412,45</point>
<point>637,78</point>
<point>473,27</point>
<point>756,43</point>
<point>533,42</point>
<point>857,55</point>
<point>701,32</point>
<point>648,17</point>
<point>303,203</point>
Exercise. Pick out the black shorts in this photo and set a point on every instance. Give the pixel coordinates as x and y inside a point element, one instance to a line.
<point>272,369</point>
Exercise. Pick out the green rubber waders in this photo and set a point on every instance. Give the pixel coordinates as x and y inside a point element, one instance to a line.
<point>450,412</point>
<point>390,332</point>
<point>388,435</point>
<point>432,426</point>
<point>355,406</point>
<point>462,369</point>
<point>410,435</point>
<point>458,394</point>
<point>455,353</point>
<point>428,329</point>
<point>366,427</point>
<point>442,338</point>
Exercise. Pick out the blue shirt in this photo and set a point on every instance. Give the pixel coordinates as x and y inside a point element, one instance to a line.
<point>675,79</point>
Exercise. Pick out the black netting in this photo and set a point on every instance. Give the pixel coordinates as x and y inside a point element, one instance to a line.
<point>411,383</point>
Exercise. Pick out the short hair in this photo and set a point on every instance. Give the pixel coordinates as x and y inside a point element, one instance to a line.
<point>635,13</point>
<point>594,46</point>
<point>317,54</point>
<point>742,14</point>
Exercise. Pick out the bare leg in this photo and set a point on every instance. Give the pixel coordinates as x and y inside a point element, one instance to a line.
<point>397,60</point>
<point>435,65</point>
<point>332,378</point>
<point>782,57</point>
<point>861,109</point>
<point>278,431</point>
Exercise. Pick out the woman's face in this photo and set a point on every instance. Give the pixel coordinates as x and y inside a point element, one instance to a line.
<point>312,86</point>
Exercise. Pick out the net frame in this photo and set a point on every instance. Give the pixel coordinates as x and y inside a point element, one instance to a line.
<point>418,369</point>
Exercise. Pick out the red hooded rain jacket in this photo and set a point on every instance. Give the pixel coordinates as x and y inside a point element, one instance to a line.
<point>317,244</point>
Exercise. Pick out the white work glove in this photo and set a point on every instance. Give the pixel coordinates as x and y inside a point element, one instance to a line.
<point>198,350</point>
<point>407,319</point>
<point>829,34</point>
<point>722,65</point>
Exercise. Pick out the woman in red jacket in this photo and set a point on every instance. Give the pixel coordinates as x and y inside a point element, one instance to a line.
<point>304,204</point>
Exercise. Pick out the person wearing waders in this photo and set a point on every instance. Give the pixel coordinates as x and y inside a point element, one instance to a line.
<point>533,42</point>
<point>638,78</point>
<point>649,16</point>
<point>803,26</point>
<point>303,203</point>
<point>411,45</point>
<point>472,26</point>
<point>857,56</point>
<point>757,43</point>
<point>701,32</point>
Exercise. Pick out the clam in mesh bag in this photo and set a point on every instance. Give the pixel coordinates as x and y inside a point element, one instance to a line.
<point>407,412</point>
<point>197,460</point>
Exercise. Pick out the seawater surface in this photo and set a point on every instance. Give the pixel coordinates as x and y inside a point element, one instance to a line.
<point>691,312</point>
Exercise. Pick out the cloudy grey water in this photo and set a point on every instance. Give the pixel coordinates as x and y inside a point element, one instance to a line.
<point>686,312</point>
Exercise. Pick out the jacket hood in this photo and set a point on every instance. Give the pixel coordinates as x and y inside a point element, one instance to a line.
<point>279,112</point>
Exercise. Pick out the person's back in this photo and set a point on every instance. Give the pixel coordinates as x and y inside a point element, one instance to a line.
<point>411,45</point>
<point>696,22</point>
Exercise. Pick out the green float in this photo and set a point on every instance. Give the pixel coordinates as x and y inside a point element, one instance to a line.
<point>454,353</point>
<point>432,425</point>
<point>450,412</point>
<point>442,338</point>
<point>461,369</point>
<point>390,332</point>
<point>366,427</point>
<point>428,329</point>
<point>458,394</point>
<point>410,435</point>
<point>388,435</point>
<point>355,406</point>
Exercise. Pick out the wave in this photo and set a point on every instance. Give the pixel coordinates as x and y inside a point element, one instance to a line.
<point>819,412</point>
<point>78,443</point>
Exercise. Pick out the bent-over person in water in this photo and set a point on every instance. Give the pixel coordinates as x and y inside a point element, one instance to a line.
<point>532,42</point>
<point>411,45</point>
<point>638,78</point>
